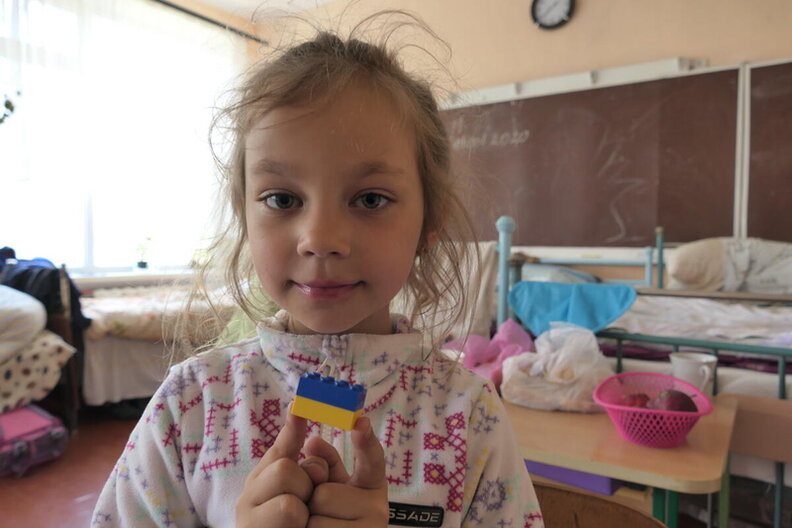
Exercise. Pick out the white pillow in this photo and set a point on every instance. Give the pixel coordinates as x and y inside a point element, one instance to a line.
<point>550,273</point>
<point>22,317</point>
<point>698,265</point>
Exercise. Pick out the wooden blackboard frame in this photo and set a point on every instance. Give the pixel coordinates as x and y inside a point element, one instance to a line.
<point>769,185</point>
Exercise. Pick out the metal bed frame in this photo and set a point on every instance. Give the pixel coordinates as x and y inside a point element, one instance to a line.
<point>665,503</point>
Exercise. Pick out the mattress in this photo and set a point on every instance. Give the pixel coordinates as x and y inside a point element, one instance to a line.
<point>117,369</point>
<point>748,323</point>
<point>125,352</point>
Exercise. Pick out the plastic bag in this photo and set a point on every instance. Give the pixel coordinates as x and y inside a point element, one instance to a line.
<point>561,375</point>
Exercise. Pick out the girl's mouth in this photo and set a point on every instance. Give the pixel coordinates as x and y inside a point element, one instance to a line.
<point>326,289</point>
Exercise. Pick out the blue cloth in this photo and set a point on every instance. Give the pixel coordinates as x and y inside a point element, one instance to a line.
<point>592,306</point>
<point>9,253</point>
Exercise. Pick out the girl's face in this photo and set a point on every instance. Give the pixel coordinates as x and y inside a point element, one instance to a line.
<point>334,210</point>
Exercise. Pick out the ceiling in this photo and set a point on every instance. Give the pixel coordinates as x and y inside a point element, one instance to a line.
<point>246,8</point>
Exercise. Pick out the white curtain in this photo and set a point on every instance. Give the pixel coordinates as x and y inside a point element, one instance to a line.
<point>106,159</point>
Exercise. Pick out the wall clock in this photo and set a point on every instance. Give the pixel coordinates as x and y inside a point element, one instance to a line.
<point>552,14</point>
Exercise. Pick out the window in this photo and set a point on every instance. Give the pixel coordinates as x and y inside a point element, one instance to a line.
<point>106,159</point>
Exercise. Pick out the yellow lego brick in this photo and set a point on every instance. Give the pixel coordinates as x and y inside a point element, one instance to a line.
<point>324,413</point>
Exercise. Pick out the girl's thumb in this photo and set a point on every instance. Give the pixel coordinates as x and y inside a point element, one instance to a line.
<point>369,457</point>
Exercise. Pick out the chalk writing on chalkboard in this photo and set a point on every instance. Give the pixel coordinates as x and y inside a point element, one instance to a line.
<point>465,139</point>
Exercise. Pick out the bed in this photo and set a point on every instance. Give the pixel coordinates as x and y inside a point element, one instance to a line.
<point>726,267</point>
<point>127,346</point>
<point>733,265</point>
<point>755,344</point>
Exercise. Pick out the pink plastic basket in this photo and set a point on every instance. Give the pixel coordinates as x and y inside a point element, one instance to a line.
<point>649,427</point>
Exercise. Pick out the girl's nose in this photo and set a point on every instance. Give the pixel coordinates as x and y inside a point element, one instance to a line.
<point>324,235</point>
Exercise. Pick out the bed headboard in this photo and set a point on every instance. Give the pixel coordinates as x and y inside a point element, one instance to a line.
<point>509,268</point>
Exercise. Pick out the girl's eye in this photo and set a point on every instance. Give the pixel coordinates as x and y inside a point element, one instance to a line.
<point>372,201</point>
<point>281,201</point>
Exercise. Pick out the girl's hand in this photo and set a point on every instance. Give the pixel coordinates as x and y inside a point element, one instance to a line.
<point>360,500</point>
<point>277,490</point>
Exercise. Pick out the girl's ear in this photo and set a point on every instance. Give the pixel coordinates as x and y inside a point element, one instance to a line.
<point>428,241</point>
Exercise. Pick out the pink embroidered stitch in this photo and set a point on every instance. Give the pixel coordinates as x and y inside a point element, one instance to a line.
<point>390,428</point>
<point>301,358</point>
<point>171,435</point>
<point>406,476</point>
<point>267,425</point>
<point>211,414</point>
<point>191,448</point>
<point>184,407</point>
<point>158,408</point>
<point>437,473</point>
<point>529,519</point>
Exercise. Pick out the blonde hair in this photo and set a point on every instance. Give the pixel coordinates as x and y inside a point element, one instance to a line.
<point>314,71</point>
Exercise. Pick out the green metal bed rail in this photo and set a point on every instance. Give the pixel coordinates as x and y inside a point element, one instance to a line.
<point>716,347</point>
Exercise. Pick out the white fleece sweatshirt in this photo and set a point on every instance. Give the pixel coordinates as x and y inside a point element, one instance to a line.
<point>449,449</point>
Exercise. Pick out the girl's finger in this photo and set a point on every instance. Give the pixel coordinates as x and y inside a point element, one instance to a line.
<point>317,469</point>
<point>320,521</point>
<point>316,446</point>
<point>283,477</point>
<point>343,502</point>
<point>285,511</point>
<point>337,501</point>
<point>287,444</point>
<point>369,457</point>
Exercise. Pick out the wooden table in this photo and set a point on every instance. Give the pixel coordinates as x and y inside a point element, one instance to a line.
<point>590,443</point>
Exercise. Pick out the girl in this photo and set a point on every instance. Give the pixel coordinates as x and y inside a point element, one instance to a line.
<point>340,192</point>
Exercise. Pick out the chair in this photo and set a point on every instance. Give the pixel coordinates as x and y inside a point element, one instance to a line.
<point>762,429</point>
<point>562,508</point>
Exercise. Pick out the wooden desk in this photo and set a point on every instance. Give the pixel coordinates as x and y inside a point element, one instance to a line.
<point>590,442</point>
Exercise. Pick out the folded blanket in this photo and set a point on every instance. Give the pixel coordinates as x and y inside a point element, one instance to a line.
<point>22,317</point>
<point>592,306</point>
<point>485,356</point>
<point>33,371</point>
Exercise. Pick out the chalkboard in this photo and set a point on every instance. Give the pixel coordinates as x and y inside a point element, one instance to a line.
<point>770,180</point>
<point>603,167</point>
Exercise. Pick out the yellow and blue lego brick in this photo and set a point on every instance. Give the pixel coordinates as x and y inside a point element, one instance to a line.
<point>324,413</point>
<point>331,402</point>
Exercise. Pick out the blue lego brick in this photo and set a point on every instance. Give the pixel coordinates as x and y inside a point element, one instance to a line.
<point>325,389</point>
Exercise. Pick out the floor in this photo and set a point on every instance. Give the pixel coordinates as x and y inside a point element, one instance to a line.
<point>70,485</point>
<point>63,492</point>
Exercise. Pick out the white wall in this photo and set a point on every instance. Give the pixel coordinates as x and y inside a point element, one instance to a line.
<point>496,42</point>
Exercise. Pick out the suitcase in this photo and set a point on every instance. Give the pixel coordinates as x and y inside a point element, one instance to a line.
<point>29,436</point>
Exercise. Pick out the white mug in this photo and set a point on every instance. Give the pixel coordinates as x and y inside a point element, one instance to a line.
<point>696,368</point>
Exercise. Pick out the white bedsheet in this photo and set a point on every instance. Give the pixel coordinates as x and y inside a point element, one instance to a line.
<point>148,312</point>
<point>117,368</point>
<point>707,319</point>
<point>757,265</point>
<point>732,264</point>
